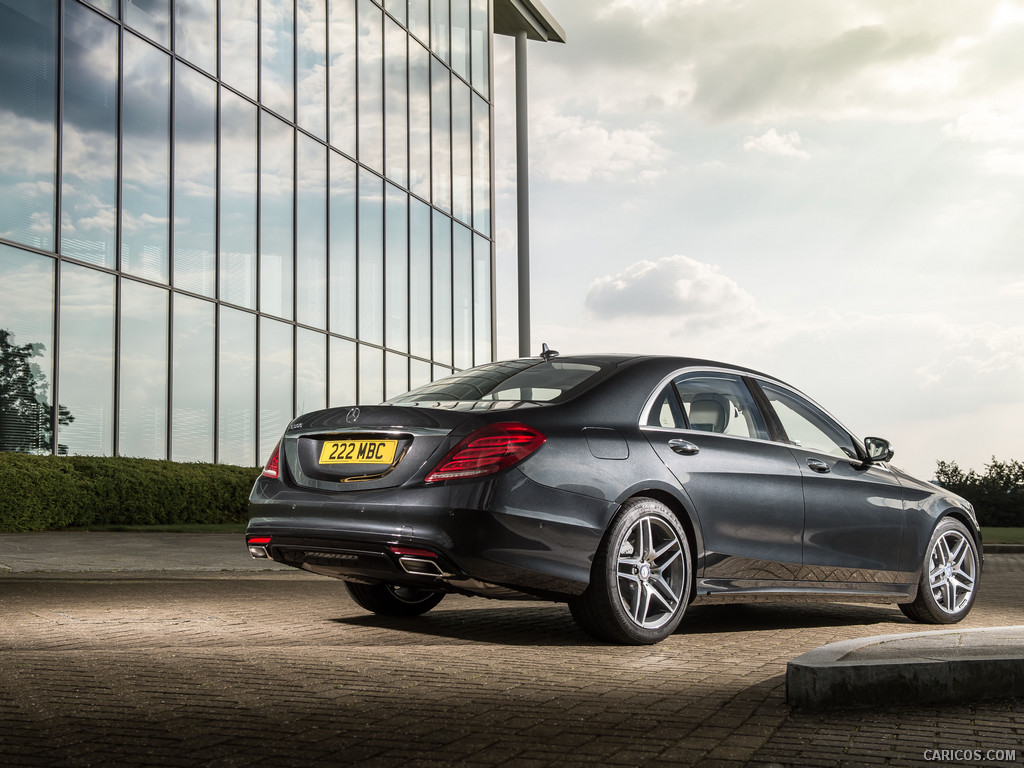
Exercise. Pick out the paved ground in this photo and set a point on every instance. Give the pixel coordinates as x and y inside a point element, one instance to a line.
<point>278,668</point>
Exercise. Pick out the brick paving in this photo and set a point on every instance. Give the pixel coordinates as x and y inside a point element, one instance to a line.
<point>283,669</point>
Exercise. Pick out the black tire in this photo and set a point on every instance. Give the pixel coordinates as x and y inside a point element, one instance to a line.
<point>637,597</point>
<point>950,574</point>
<point>389,600</point>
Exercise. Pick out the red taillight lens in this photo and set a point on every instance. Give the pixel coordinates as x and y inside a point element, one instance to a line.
<point>272,468</point>
<point>486,451</point>
<point>259,540</point>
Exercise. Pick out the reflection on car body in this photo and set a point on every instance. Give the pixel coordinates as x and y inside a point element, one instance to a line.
<point>625,486</point>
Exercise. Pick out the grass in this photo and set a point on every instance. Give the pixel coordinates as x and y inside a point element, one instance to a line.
<point>1002,535</point>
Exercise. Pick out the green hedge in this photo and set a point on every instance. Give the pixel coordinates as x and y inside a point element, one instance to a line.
<point>44,493</point>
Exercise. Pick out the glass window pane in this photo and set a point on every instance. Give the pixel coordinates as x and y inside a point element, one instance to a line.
<point>311,233</point>
<point>462,296</point>
<point>343,246</point>
<point>110,6</point>
<point>28,110</point>
<point>419,120</point>
<point>440,372</point>
<point>481,165</point>
<point>276,408</point>
<point>419,373</point>
<point>192,386</point>
<point>371,86</point>
<point>439,29</point>
<point>482,301</point>
<point>343,372</point>
<point>397,374</point>
<point>480,46</point>
<point>396,125</point>
<point>343,75</point>
<point>311,375</point>
<point>150,17</point>
<point>717,403</point>
<point>396,8</point>
<point>26,357</point>
<point>442,288</point>
<point>396,270</point>
<point>236,401</point>
<point>462,156</point>
<point>371,375</point>
<point>460,37</point>
<point>311,54</point>
<point>237,200</point>
<point>238,50</point>
<point>143,373</point>
<point>371,258</point>
<point>195,181</point>
<point>87,360</point>
<point>419,278</point>
<point>277,60</point>
<point>419,19</point>
<point>145,160</point>
<point>89,163</point>
<point>440,121</point>
<point>195,32</point>
<point>277,200</point>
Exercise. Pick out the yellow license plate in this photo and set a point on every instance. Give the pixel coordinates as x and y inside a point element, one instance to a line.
<point>358,452</point>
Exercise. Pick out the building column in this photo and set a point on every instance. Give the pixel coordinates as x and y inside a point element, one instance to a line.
<point>522,196</point>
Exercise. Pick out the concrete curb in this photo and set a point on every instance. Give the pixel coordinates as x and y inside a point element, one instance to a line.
<point>920,667</point>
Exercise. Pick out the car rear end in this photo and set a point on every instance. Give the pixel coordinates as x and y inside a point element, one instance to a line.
<point>426,492</point>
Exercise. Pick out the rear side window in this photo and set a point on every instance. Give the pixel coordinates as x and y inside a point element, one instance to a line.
<point>719,403</point>
<point>515,381</point>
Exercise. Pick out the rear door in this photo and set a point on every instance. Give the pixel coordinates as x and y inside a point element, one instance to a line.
<point>745,489</point>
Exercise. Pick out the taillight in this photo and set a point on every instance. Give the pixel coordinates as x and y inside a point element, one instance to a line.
<point>272,468</point>
<point>486,451</point>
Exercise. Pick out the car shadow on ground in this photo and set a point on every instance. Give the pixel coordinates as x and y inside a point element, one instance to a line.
<point>552,625</point>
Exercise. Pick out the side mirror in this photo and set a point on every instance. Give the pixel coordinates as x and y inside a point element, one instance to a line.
<point>878,449</point>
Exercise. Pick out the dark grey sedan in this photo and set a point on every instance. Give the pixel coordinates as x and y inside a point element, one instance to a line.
<point>625,486</point>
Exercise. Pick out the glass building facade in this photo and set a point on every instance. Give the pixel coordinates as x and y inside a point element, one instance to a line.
<point>217,214</point>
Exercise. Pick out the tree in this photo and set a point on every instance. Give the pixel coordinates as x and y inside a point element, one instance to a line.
<point>997,495</point>
<point>26,416</point>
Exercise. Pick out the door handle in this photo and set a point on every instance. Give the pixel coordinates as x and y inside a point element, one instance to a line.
<point>819,466</point>
<point>683,447</point>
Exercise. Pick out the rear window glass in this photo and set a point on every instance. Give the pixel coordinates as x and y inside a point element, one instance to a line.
<point>514,381</point>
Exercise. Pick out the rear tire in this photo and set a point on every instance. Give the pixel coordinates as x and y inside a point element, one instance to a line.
<point>389,600</point>
<point>949,576</point>
<point>640,580</point>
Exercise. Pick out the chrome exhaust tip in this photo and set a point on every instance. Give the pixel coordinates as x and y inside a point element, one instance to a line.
<point>258,553</point>
<point>419,566</point>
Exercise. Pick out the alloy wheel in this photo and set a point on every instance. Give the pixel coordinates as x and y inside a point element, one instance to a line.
<point>651,572</point>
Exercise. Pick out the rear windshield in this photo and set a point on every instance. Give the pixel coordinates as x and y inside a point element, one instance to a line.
<point>513,381</point>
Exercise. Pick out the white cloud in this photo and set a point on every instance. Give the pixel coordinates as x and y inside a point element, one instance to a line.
<point>773,143</point>
<point>689,292</point>
<point>574,149</point>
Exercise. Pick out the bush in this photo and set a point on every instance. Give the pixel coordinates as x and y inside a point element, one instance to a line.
<point>42,493</point>
<point>997,495</point>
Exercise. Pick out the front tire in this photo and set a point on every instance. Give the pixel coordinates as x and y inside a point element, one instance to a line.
<point>640,580</point>
<point>389,600</point>
<point>949,576</point>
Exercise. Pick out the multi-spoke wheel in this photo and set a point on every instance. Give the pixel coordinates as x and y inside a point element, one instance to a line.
<point>640,581</point>
<point>949,576</point>
<point>389,600</point>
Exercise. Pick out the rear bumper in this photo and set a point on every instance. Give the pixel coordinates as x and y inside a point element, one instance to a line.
<point>507,531</point>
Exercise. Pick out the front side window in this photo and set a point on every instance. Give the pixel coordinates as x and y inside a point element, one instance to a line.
<point>808,427</point>
<point>719,403</point>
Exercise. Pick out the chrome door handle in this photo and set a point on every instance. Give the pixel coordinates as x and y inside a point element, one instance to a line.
<point>684,447</point>
<point>819,466</point>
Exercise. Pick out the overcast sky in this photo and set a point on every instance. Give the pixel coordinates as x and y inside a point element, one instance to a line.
<point>832,193</point>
